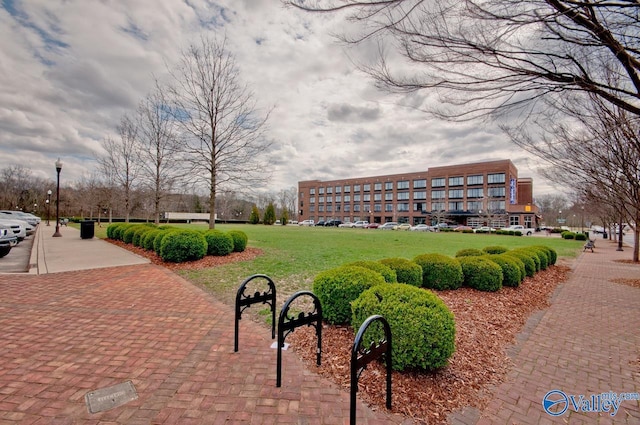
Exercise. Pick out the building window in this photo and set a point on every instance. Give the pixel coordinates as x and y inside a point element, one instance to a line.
<point>456,193</point>
<point>330,189</point>
<point>356,208</point>
<point>496,205</point>
<point>439,182</point>
<point>420,184</point>
<point>403,207</point>
<point>388,196</point>
<point>437,194</point>
<point>377,207</point>
<point>312,191</point>
<point>366,198</point>
<point>356,197</point>
<point>329,208</point>
<point>347,188</point>
<point>321,191</point>
<point>420,195</point>
<point>312,208</point>
<point>338,208</point>
<point>456,181</point>
<point>456,206</point>
<point>321,199</point>
<point>301,195</point>
<point>496,192</point>
<point>404,184</point>
<point>338,198</point>
<point>320,208</point>
<point>312,200</point>
<point>366,207</point>
<point>495,178</point>
<point>475,180</point>
<point>377,197</point>
<point>402,196</point>
<point>366,187</point>
<point>474,206</point>
<point>347,198</point>
<point>329,198</point>
<point>437,206</point>
<point>347,208</point>
<point>377,186</point>
<point>514,220</point>
<point>338,189</point>
<point>388,186</point>
<point>356,188</point>
<point>475,193</point>
<point>388,207</point>
<point>419,206</point>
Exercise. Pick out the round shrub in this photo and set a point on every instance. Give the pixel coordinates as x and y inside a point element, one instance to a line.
<point>568,235</point>
<point>440,271</point>
<point>337,288</point>
<point>110,229</point>
<point>386,272</point>
<point>183,245</point>
<point>533,255</point>
<point>551,253</point>
<point>481,273</point>
<point>149,238</point>
<point>422,327</point>
<point>157,242</point>
<point>406,270</point>
<point>240,240</point>
<point>581,237</point>
<point>119,230</point>
<point>470,252</point>
<point>529,264</point>
<point>511,274</point>
<point>495,249</point>
<point>218,243</point>
<point>129,232</point>
<point>542,255</point>
<point>518,262</point>
<point>139,233</point>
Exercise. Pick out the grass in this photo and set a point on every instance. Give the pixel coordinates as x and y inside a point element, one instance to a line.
<point>294,255</point>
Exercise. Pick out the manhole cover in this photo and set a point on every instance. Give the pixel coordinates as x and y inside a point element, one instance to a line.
<point>107,398</point>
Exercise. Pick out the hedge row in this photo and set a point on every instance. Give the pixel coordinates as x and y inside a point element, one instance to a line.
<point>178,245</point>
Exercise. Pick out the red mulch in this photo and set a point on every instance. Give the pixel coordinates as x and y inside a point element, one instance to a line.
<point>486,325</point>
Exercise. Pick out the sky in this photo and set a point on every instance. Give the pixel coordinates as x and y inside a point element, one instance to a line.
<point>71,69</point>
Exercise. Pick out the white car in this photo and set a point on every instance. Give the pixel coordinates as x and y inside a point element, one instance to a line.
<point>484,229</point>
<point>521,228</point>
<point>18,227</point>
<point>19,215</point>
<point>306,223</point>
<point>348,224</point>
<point>389,225</point>
<point>421,228</point>
<point>361,224</point>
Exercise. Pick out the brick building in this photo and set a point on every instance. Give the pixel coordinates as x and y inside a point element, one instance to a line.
<point>483,193</point>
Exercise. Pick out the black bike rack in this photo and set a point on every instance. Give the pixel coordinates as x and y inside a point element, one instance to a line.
<point>361,357</point>
<point>287,324</point>
<point>244,301</point>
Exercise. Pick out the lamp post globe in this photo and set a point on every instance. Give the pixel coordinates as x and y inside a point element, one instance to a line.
<point>57,234</point>
<point>48,202</point>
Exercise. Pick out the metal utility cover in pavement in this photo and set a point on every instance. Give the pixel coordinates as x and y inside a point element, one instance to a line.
<point>107,398</point>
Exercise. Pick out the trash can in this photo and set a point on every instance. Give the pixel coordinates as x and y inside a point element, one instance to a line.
<point>87,229</point>
<point>604,235</point>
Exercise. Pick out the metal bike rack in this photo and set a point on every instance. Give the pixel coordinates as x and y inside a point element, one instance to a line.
<point>361,357</point>
<point>244,301</point>
<point>287,324</point>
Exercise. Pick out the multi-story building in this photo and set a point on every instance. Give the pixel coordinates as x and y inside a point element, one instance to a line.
<point>484,193</point>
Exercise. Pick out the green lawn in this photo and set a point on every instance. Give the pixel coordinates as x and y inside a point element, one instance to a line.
<point>293,255</point>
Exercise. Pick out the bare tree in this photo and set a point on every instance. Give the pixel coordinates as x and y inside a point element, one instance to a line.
<point>121,163</point>
<point>159,148</point>
<point>224,133</point>
<point>485,56</point>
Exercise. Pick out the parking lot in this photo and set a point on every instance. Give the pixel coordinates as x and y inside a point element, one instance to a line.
<point>17,261</point>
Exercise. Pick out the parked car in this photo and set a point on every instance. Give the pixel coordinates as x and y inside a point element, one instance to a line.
<point>421,228</point>
<point>462,228</point>
<point>389,225</point>
<point>306,223</point>
<point>19,215</point>
<point>484,229</point>
<point>520,228</point>
<point>373,225</point>
<point>18,227</point>
<point>403,226</point>
<point>7,240</point>
<point>347,224</point>
<point>320,223</point>
<point>361,224</point>
<point>334,223</point>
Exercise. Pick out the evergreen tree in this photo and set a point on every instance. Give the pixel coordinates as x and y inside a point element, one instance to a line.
<point>254,217</point>
<point>269,215</point>
<point>285,217</point>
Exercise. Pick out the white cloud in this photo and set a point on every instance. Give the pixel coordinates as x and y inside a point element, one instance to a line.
<point>70,70</point>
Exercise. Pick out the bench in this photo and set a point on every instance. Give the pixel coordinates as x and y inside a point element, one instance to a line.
<point>589,245</point>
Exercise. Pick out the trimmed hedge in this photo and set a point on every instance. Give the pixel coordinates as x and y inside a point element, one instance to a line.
<point>551,253</point>
<point>529,264</point>
<point>581,237</point>
<point>495,249</point>
<point>386,272</point>
<point>218,243</point>
<point>240,240</point>
<point>337,288</point>
<point>157,242</point>
<point>406,270</point>
<point>568,235</point>
<point>481,273</point>
<point>533,255</point>
<point>422,326</point>
<point>139,233</point>
<point>511,274</point>
<point>470,252</point>
<point>149,237</point>
<point>440,271</point>
<point>183,245</point>
<point>542,255</point>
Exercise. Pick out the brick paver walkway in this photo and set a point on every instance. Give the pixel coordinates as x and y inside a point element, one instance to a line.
<point>587,342</point>
<point>63,335</point>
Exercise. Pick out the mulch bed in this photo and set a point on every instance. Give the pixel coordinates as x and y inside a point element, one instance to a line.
<point>486,325</point>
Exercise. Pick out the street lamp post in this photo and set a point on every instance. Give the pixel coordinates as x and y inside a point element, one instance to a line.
<point>57,234</point>
<point>48,206</point>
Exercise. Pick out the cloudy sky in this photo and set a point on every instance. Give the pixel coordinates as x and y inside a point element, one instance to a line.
<point>70,69</point>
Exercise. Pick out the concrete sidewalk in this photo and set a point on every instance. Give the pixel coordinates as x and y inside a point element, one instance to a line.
<point>70,252</point>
